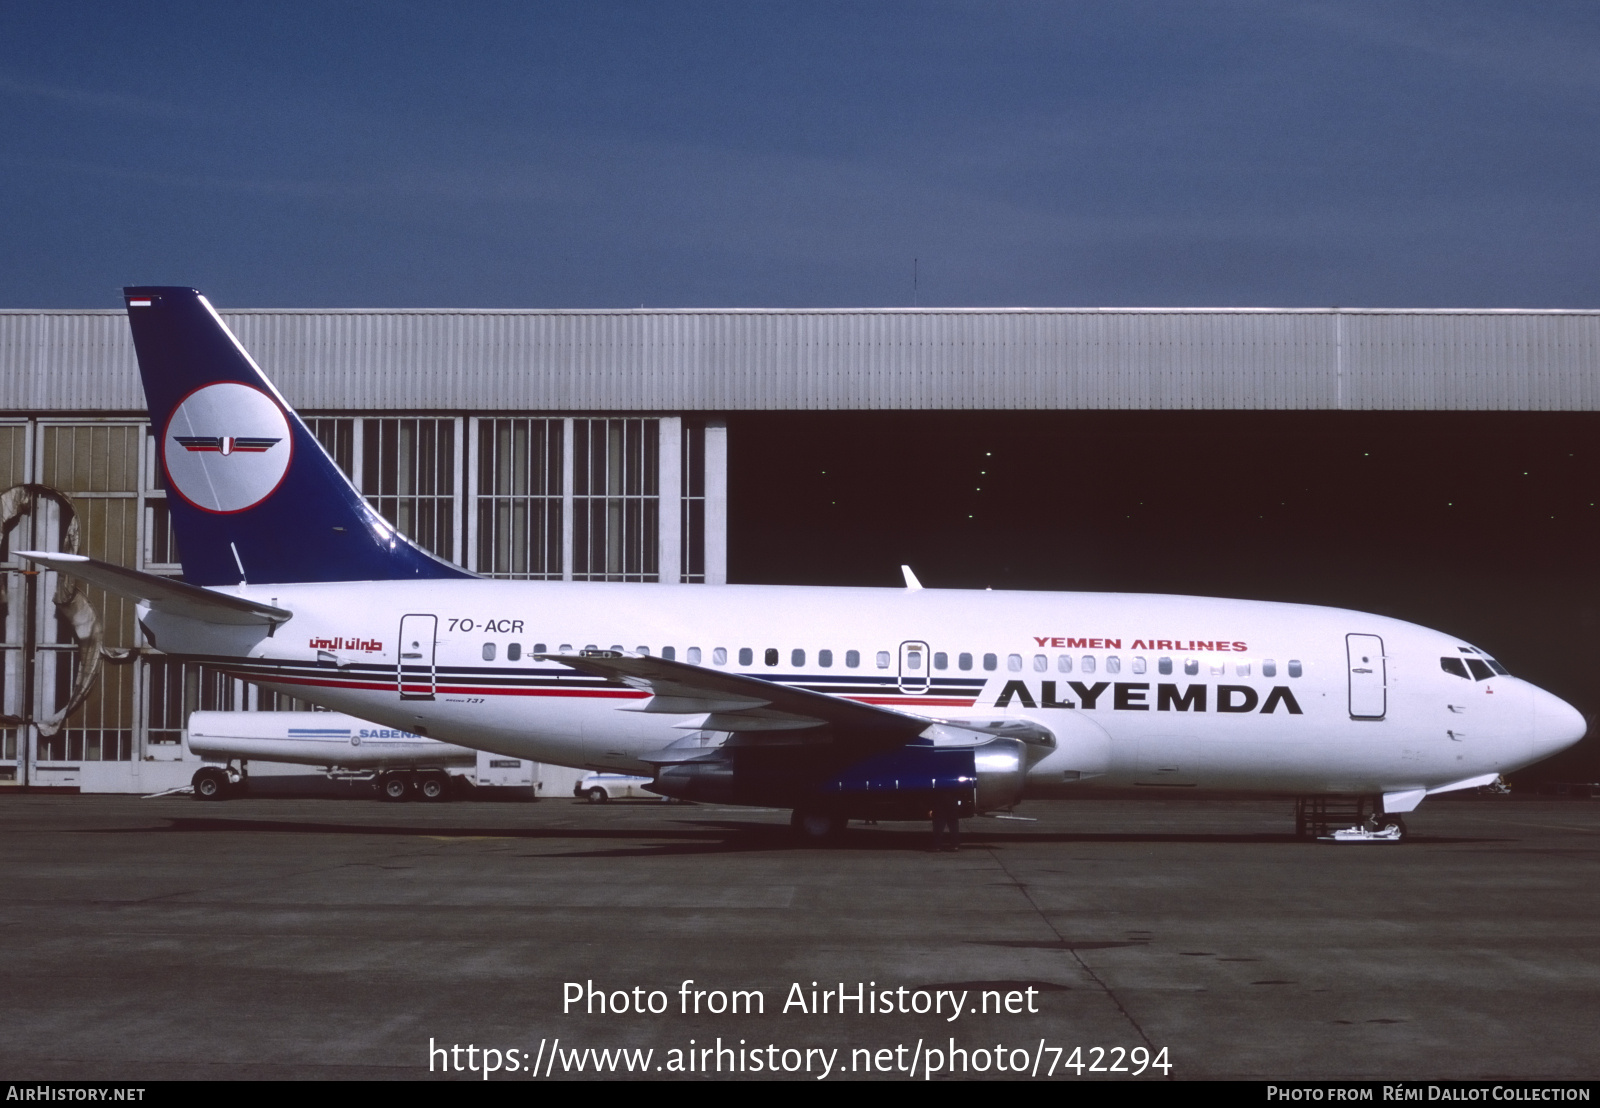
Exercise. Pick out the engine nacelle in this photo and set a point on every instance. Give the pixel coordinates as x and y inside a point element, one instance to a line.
<point>1002,769</point>
<point>896,784</point>
<point>709,781</point>
<point>902,783</point>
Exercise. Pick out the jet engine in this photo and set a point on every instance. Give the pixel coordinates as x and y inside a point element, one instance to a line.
<point>900,783</point>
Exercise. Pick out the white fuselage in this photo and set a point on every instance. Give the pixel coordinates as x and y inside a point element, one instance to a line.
<point>1140,691</point>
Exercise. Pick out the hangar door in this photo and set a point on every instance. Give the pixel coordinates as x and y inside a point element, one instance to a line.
<point>1369,698</point>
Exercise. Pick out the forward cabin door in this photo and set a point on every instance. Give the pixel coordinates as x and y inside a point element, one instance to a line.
<point>1369,697</point>
<point>417,675</point>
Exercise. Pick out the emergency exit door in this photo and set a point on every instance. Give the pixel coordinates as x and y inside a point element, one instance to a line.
<point>416,677</point>
<point>1369,696</point>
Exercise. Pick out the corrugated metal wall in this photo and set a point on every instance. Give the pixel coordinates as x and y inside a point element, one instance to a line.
<point>683,361</point>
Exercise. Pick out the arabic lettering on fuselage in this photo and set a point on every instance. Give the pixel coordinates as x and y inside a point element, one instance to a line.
<point>368,645</point>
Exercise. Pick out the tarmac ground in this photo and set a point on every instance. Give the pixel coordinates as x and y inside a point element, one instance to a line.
<point>151,939</point>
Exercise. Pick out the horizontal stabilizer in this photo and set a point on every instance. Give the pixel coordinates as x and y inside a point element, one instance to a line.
<point>162,594</point>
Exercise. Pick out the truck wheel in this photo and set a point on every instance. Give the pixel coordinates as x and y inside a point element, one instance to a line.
<point>394,786</point>
<point>597,795</point>
<point>433,786</point>
<point>211,783</point>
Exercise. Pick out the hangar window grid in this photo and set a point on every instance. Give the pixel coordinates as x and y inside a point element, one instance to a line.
<point>615,499</point>
<point>160,546</point>
<point>551,498</point>
<point>99,465</point>
<point>693,503</point>
<point>519,503</point>
<point>409,469</point>
<point>408,474</point>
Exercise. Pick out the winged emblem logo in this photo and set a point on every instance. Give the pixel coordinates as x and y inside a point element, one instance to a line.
<point>224,444</point>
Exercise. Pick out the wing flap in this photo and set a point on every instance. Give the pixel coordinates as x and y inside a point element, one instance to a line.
<point>739,703</point>
<point>689,705</point>
<point>759,721</point>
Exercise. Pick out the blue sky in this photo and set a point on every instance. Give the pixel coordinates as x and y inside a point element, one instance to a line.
<point>347,154</point>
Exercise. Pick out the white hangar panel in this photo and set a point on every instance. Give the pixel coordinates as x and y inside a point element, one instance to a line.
<point>70,361</point>
<point>877,359</point>
<point>1472,361</point>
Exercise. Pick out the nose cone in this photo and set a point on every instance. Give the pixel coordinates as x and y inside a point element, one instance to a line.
<point>1556,724</point>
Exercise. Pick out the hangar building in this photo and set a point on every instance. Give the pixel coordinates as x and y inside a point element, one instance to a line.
<point>595,445</point>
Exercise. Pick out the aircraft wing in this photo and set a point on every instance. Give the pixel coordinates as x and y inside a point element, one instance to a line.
<point>162,594</point>
<point>740,704</point>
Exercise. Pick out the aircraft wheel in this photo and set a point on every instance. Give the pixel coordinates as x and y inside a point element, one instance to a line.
<point>211,783</point>
<point>818,828</point>
<point>1384,823</point>
<point>433,786</point>
<point>597,795</point>
<point>394,786</point>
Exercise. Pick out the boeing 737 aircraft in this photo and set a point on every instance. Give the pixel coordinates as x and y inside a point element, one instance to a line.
<point>838,703</point>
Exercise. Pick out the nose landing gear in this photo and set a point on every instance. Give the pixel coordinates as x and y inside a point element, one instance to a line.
<point>1346,819</point>
<point>1387,827</point>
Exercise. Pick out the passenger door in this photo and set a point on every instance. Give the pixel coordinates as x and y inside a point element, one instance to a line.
<point>416,676</point>
<point>1369,697</point>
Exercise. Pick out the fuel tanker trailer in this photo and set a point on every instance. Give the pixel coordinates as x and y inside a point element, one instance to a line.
<point>401,764</point>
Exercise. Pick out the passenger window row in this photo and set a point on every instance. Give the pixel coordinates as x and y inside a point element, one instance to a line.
<point>1064,663</point>
<point>719,655</point>
<point>1088,663</point>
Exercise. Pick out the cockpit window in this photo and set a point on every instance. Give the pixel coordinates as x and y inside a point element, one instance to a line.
<point>1473,669</point>
<point>1471,652</point>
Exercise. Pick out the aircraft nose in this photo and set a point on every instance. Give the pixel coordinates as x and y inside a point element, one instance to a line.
<point>1556,724</point>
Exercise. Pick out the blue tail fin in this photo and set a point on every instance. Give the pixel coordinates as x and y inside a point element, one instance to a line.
<point>253,495</point>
